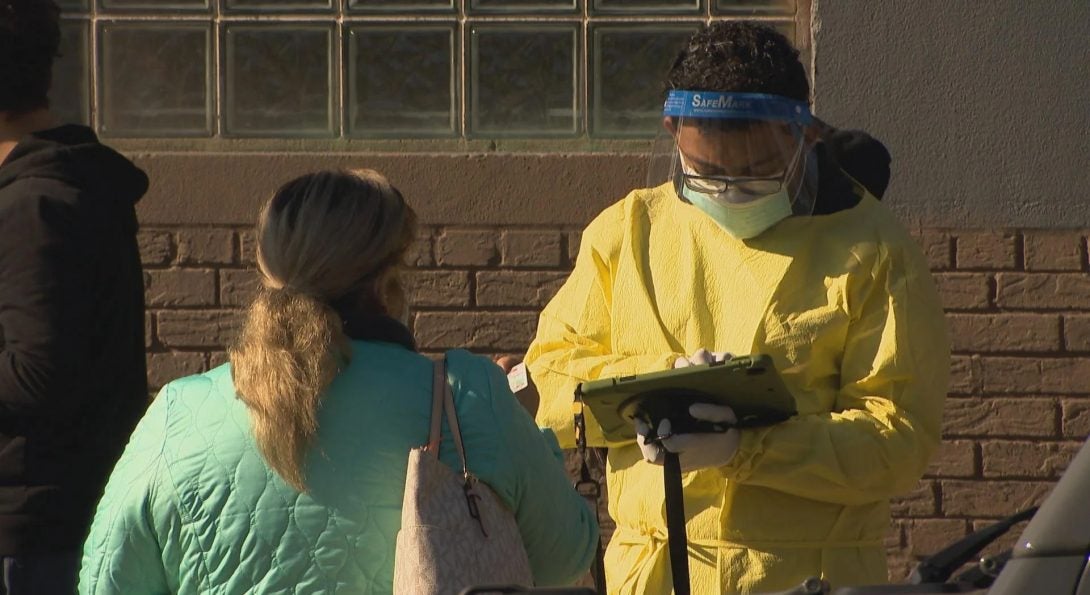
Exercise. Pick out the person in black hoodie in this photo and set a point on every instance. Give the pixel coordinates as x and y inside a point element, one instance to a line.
<point>72,372</point>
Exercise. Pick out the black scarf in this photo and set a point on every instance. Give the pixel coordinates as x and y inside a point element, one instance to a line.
<point>368,326</point>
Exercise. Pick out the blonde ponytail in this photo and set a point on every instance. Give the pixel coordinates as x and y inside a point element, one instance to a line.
<point>325,237</point>
<point>289,350</point>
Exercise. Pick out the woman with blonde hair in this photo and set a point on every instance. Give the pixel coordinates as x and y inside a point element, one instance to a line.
<point>284,470</point>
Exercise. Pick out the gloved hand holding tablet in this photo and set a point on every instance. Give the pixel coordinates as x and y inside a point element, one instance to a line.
<point>695,450</point>
<point>708,398</point>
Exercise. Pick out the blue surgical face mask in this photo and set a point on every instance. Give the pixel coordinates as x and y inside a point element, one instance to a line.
<point>743,220</point>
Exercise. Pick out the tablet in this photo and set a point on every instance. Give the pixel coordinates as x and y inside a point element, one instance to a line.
<point>750,385</point>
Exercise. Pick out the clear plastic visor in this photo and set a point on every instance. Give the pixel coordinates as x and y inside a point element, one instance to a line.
<point>740,147</point>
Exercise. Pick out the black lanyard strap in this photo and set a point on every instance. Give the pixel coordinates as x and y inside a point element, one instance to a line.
<point>675,523</point>
<point>589,488</point>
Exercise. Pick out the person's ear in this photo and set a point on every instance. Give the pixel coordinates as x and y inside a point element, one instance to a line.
<point>670,124</point>
<point>394,299</point>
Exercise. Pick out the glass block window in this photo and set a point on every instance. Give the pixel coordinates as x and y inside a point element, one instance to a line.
<point>629,61</point>
<point>155,78</point>
<point>278,80</point>
<point>386,99</point>
<point>71,72</point>
<point>379,69</point>
<point>523,80</point>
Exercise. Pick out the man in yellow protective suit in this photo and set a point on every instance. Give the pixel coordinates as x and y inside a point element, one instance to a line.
<point>760,232</point>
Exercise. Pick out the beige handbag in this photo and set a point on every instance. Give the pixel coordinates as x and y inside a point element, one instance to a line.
<point>455,532</point>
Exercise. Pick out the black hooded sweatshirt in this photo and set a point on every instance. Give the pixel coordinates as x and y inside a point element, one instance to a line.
<point>854,153</point>
<point>72,374</point>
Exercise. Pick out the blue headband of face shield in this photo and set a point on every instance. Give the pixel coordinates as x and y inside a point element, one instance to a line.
<point>741,106</point>
<point>775,113</point>
<point>743,204</point>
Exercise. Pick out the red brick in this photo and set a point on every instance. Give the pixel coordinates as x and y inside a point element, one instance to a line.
<point>531,249</point>
<point>574,240</point>
<point>965,375</point>
<point>1033,375</point>
<point>1077,332</point>
<point>964,291</point>
<point>928,536</point>
<point>1076,418</point>
<point>1004,332</point>
<point>488,331</point>
<point>247,247</point>
<point>896,551</point>
<point>420,253</point>
<point>899,567</point>
<point>954,458</point>
<point>1009,459</point>
<point>466,248</point>
<point>206,246</point>
<point>1002,543</point>
<point>994,499</point>
<point>1053,251</point>
<point>238,287</point>
<point>437,288</point>
<point>156,247</point>
<point>198,328</point>
<point>920,502</point>
<point>217,359</point>
<point>164,367</point>
<point>1029,417</point>
<point>1041,291</point>
<point>1016,530</point>
<point>894,539</point>
<point>986,250</point>
<point>148,336</point>
<point>517,288</point>
<point>180,287</point>
<point>937,247</point>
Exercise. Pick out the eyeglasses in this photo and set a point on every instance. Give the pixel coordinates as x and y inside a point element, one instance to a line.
<point>748,186</point>
<point>755,187</point>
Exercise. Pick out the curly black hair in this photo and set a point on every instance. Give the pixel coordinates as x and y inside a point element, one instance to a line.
<point>739,57</point>
<point>29,38</point>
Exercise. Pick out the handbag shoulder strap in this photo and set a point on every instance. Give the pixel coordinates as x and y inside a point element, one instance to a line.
<point>439,380</point>
<point>443,400</point>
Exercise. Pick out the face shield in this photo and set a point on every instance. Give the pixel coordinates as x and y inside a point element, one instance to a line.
<point>732,154</point>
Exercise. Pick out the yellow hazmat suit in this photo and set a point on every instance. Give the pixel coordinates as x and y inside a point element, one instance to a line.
<point>845,305</point>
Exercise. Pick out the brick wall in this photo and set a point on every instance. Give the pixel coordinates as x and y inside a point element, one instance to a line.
<point>1018,306</point>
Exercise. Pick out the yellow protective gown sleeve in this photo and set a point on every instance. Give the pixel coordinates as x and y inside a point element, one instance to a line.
<point>844,304</point>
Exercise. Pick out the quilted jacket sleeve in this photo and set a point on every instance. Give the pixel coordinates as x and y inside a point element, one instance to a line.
<point>558,528</point>
<point>123,552</point>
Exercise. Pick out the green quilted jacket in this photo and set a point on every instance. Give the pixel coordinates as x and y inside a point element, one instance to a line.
<point>191,506</point>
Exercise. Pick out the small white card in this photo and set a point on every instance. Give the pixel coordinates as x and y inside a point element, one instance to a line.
<point>517,378</point>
